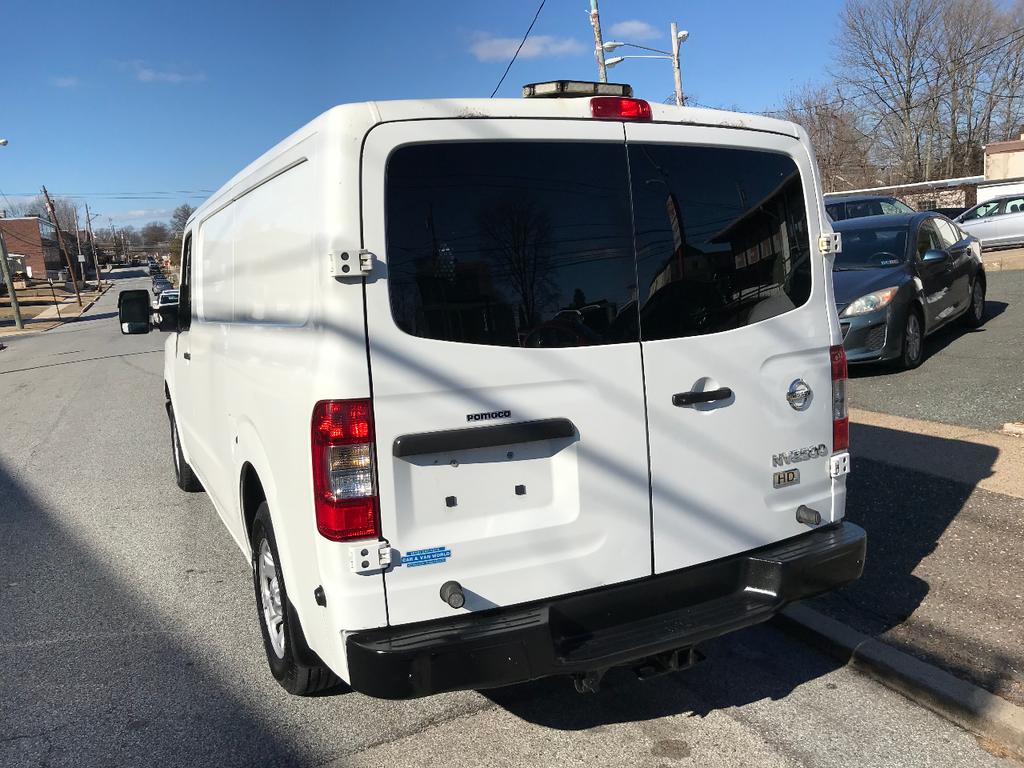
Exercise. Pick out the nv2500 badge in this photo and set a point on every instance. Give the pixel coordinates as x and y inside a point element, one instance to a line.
<point>802,454</point>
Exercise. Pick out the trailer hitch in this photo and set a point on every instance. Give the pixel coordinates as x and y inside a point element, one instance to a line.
<point>667,662</point>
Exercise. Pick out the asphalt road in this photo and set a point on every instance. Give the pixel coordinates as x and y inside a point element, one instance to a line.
<point>969,377</point>
<point>130,636</point>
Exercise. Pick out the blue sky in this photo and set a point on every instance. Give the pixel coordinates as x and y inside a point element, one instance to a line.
<point>137,107</point>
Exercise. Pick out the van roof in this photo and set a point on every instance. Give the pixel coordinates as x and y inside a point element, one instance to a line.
<point>357,118</point>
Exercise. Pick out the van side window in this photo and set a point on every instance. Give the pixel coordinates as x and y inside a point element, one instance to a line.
<point>511,243</point>
<point>722,238</point>
<point>185,289</point>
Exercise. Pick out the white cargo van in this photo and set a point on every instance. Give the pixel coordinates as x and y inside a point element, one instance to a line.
<point>490,390</point>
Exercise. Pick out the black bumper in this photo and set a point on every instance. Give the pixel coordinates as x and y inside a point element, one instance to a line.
<point>605,627</point>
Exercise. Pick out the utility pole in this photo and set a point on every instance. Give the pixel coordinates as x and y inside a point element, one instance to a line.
<point>595,22</point>
<point>61,244</point>
<point>676,45</point>
<point>6,269</point>
<point>92,244</point>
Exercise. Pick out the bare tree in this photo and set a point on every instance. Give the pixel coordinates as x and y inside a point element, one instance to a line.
<point>884,47</point>
<point>155,233</point>
<point>179,219</point>
<point>831,122</point>
<point>935,80</point>
<point>37,207</point>
<point>520,234</point>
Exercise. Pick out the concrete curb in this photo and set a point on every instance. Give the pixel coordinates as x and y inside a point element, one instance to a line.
<point>967,705</point>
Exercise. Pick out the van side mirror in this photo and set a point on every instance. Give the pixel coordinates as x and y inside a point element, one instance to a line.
<point>133,311</point>
<point>934,256</point>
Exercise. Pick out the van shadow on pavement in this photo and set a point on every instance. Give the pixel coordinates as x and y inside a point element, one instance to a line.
<point>751,665</point>
<point>90,676</point>
<point>943,577</point>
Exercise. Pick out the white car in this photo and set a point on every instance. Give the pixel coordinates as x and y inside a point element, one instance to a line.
<point>494,389</point>
<point>166,299</point>
<point>997,223</point>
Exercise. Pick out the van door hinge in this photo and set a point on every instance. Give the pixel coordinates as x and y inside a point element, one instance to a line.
<point>368,558</point>
<point>831,243</point>
<point>840,464</point>
<point>350,263</point>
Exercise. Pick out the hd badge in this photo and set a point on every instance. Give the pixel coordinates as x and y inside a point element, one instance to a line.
<point>785,477</point>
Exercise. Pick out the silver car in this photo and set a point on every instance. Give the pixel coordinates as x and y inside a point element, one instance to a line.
<point>997,223</point>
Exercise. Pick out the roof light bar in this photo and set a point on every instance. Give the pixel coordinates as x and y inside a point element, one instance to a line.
<point>562,89</point>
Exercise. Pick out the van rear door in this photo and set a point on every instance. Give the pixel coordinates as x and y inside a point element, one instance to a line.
<point>505,360</point>
<point>733,317</point>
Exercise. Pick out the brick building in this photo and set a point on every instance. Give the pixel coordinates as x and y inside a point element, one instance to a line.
<point>32,244</point>
<point>929,195</point>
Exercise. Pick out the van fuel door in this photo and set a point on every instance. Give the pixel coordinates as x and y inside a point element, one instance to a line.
<point>350,262</point>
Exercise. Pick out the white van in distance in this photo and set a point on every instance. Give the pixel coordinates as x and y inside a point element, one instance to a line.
<point>493,389</point>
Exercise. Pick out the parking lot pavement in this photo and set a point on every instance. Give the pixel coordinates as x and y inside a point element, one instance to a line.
<point>131,638</point>
<point>969,377</point>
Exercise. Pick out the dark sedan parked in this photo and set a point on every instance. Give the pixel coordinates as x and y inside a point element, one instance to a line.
<point>899,278</point>
<point>842,207</point>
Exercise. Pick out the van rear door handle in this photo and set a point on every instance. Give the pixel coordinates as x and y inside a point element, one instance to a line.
<point>187,355</point>
<point>683,399</point>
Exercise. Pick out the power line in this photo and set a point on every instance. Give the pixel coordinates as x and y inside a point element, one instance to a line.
<point>521,44</point>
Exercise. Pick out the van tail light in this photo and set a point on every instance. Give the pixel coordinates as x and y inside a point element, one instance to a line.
<point>345,470</point>
<point>619,108</point>
<point>840,415</point>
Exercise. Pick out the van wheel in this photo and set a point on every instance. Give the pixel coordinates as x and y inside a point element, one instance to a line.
<point>975,314</point>
<point>183,474</point>
<point>913,341</point>
<point>294,665</point>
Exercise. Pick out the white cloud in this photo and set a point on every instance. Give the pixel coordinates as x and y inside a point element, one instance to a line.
<point>142,214</point>
<point>488,48</point>
<point>633,31</point>
<point>144,73</point>
<point>64,81</point>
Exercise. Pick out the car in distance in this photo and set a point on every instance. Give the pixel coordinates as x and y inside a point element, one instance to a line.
<point>997,223</point>
<point>166,298</point>
<point>900,278</point>
<point>842,207</point>
<point>511,498</point>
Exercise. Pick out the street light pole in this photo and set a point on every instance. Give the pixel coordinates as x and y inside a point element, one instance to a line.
<point>5,269</point>
<point>676,44</point>
<point>678,38</point>
<point>595,22</point>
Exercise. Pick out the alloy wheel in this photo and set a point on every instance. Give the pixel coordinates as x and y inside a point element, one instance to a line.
<point>913,338</point>
<point>270,597</point>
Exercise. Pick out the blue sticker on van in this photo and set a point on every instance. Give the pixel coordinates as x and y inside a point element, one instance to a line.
<point>432,556</point>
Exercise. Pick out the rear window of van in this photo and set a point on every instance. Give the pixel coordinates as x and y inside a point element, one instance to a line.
<point>536,244</point>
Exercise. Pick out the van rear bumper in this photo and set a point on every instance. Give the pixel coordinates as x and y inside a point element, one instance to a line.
<point>606,627</point>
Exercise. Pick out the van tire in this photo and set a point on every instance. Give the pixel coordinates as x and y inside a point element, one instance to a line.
<point>183,474</point>
<point>294,665</point>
